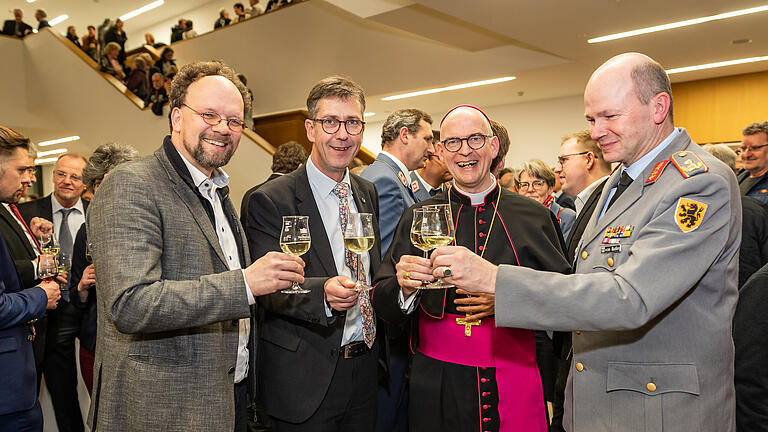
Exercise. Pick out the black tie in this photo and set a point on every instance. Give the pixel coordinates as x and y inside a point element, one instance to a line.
<point>433,192</point>
<point>624,183</point>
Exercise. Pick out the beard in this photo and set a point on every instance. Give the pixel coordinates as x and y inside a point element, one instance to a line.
<point>208,159</point>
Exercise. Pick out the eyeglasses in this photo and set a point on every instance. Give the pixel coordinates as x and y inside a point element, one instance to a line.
<point>564,158</point>
<point>537,184</point>
<point>751,148</point>
<point>474,141</point>
<point>214,119</point>
<point>61,175</point>
<point>332,125</point>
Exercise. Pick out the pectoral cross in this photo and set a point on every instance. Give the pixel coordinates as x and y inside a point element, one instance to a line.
<point>467,325</point>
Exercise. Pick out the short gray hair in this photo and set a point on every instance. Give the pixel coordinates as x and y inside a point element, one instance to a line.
<point>409,118</point>
<point>756,128</point>
<point>724,153</point>
<point>104,159</point>
<point>334,87</point>
<point>649,79</point>
<point>537,168</point>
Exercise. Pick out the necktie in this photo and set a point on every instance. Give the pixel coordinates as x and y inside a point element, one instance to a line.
<point>624,181</point>
<point>15,211</point>
<point>65,242</point>
<point>353,262</point>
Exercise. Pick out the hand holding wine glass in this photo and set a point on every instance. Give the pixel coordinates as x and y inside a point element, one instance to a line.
<point>438,230</point>
<point>49,244</point>
<point>359,239</point>
<point>52,292</point>
<point>295,240</point>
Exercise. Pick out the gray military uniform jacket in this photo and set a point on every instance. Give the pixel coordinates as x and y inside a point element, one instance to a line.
<point>653,309</point>
<point>167,304</point>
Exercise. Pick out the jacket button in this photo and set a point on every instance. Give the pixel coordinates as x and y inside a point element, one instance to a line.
<point>579,367</point>
<point>610,262</point>
<point>483,380</point>
<point>584,254</point>
<point>231,370</point>
<point>651,387</point>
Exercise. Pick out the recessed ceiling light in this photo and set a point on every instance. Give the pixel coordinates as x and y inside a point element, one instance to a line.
<point>30,1</point>
<point>371,114</point>
<point>453,87</point>
<point>45,160</point>
<point>51,152</point>
<point>142,9</point>
<point>58,19</point>
<point>679,24</point>
<point>717,65</point>
<point>58,141</point>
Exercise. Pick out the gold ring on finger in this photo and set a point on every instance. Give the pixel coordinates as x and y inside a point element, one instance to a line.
<point>407,275</point>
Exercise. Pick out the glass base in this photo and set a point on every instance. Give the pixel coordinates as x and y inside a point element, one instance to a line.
<point>295,289</point>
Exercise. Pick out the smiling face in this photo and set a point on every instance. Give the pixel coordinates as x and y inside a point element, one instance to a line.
<point>573,172</point>
<point>332,153</point>
<point>470,168</point>
<point>205,146</point>
<point>68,180</point>
<point>754,153</point>
<point>531,188</point>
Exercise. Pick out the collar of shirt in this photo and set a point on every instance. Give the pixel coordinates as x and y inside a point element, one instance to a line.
<point>220,180</point>
<point>479,197</point>
<point>321,182</point>
<point>423,182</point>
<point>56,206</point>
<point>636,168</point>
<point>397,161</point>
<point>582,197</point>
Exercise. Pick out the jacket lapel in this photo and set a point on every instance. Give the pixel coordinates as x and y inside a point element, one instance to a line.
<point>11,221</point>
<point>306,206</point>
<point>406,187</point>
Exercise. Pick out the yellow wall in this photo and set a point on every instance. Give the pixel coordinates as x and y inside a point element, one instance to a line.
<point>716,110</point>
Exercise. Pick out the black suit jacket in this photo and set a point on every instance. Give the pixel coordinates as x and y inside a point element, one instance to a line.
<point>42,208</point>
<point>9,28</point>
<point>247,196</point>
<point>19,246</point>
<point>298,343</point>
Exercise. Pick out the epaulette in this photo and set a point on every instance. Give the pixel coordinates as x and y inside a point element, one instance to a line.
<point>656,173</point>
<point>688,163</point>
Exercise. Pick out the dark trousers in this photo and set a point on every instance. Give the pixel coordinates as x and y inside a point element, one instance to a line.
<point>349,405</point>
<point>59,366</point>
<point>241,406</point>
<point>393,395</point>
<point>30,420</point>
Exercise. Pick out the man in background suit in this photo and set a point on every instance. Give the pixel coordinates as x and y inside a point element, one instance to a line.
<point>16,27</point>
<point>406,139</point>
<point>753,181</point>
<point>19,407</point>
<point>55,342</point>
<point>288,156</point>
<point>652,301</point>
<point>583,171</point>
<point>174,347</point>
<point>317,357</point>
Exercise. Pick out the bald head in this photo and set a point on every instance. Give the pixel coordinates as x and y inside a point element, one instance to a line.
<point>470,165</point>
<point>466,113</point>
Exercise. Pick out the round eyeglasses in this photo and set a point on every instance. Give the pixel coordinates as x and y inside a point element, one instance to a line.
<point>536,184</point>
<point>474,141</point>
<point>214,119</point>
<point>332,125</point>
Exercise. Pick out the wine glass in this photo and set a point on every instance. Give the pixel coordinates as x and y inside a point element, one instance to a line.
<point>64,262</point>
<point>295,240</point>
<point>437,230</point>
<point>47,268</point>
<point>359,238</point>
<point>88,249</point>
<point>49,244</point>
<point>416,236</point>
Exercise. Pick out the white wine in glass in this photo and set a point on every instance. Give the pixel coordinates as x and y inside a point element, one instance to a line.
<point>49,244</point>
<point>438,230</point>
<point>295,240</point>
<point>359,239</point>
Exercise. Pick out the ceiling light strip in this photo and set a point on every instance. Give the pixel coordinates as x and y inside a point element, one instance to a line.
<point>51,152</point>
<point>45,161</point>
<point>58,19</point>
<point>449,88</point>
<point>142,9</point>
<point>679,24</point>
<point>58,141</point>
<point>717,65</point>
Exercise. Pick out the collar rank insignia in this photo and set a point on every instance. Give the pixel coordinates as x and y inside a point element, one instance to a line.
<point>414,185</point>
<point>402,178</point>
<point>613,234</point>
<point>656,173</point>
<point>689,214</point>
<point>688,163</point>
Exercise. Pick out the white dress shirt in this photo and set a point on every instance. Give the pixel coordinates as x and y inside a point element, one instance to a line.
<point>583,196</point>
<point>208,187</point>
<point>74,221</point>
<point>328,207</point>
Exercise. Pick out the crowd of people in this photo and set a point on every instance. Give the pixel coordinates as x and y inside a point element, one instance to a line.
<point>604,287</point>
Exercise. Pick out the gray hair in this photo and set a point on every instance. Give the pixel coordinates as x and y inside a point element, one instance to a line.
<point>105,158</point>
<point>537,168</point>
<point>409,118</point>
<point>724,153</point>
<point>334,87</point>
<point>756,128</point>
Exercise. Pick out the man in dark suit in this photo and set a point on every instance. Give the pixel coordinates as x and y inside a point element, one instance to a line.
<point>16,27</point>
<point>318,361</point>
<point>55,345</point>
<point>19,408</point>
<point>288,156</point>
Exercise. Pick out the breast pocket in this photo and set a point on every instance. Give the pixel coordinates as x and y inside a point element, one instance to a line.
<point>653,396</point>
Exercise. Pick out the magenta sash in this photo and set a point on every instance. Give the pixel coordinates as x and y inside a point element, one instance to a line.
<point>511,351</point>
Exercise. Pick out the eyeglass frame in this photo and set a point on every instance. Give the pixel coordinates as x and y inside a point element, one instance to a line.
<point>561,160</point>
<point>463,140</point>
<point>533,183</point>
<point>202,115</point>
<point>338,127</point>
<point>751,148</point>
<point>61,175</point>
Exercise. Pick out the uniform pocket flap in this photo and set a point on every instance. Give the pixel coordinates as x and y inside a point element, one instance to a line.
<point>653,378</point>
<point>8,344</point>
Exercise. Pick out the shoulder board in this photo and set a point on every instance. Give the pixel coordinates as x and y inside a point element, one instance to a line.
<point>688,163</point>
<point>657,170</point>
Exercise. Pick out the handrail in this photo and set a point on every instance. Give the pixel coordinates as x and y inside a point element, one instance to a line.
<point>121,87</point>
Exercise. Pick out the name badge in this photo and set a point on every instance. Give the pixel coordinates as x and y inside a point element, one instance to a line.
<point>610,248</point>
